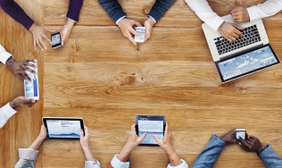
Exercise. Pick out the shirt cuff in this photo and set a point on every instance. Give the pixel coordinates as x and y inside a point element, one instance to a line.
<point>252,11</point>
<point>8,110</point>
<point>4,55</point>
<point>92,164</point>
<point>182,165</point>
<point>118,164</point>
<point>120,19</point>
<point>217,22</point>
<point>28,154</point>
<point>152,18</point>
<point>71,20</point>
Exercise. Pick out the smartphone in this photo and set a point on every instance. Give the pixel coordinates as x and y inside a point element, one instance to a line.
<point>141,32</point>
<point>31,88</point>
<point>240,133</point>
<point>56,40</point>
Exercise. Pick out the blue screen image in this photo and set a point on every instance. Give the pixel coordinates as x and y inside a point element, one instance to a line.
<point>63,128</point>
<point>248,62</point>
<point>152,127</point>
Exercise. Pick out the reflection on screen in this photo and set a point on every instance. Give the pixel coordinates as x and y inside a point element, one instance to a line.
<point>56,39</point>
<point>151,127</point>
<point>63,128</point>
<point>248,62</point>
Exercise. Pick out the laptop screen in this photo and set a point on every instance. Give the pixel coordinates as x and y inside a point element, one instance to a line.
<point>232,68</point>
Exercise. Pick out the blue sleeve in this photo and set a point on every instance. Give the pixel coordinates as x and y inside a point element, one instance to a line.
<point>270,158</point>
<point>74,9</point>
<point>159,8</point>
<point>113,8</point>
<point>16,12</point>
<point>208,156</point>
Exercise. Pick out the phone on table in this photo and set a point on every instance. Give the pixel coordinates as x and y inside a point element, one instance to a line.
<point>56,40</point>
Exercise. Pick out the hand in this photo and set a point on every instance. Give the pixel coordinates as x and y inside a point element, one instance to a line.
<point>166,144</point>
<point>127,28</point>
<point>132,142</point>
<point>230,137</point>
<point>251,144</point>
<point>66,30</point>
<point>43,133</point>
<point>19,67</point>
<point>39,35</point>
<point>22,101</point>
<point>84,140</point>
<point>240,14</point>
<point>149,23</point>
<point>230,31</point>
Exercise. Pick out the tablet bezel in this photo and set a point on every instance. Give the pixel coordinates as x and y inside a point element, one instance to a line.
<point>150,116</point>
<point>44,119</point>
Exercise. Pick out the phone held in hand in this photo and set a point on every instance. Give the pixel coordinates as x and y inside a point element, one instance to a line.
<point>141,32</point>
<point>56,40</point>
<point>31,88</point>
<point>240,133</point>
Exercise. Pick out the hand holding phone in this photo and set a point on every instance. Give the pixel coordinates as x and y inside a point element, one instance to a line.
<point>141,32</point>
<point>56,40</point>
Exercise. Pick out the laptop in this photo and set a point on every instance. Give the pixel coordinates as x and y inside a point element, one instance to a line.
<point>244,56</point>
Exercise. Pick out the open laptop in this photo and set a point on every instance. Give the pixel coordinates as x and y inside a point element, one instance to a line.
<point>244,56</point>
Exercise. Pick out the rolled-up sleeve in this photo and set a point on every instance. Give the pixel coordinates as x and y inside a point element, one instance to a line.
<point>4,55</point>
<point>91,164</point>
<point>5,113</point>
<point>182,165</point>
<point>28,157</point>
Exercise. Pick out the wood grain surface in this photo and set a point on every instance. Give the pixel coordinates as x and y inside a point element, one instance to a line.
<point>100,76</point>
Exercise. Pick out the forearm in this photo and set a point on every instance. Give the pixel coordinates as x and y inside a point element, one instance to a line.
<point>74,9</point>
<point>88,154</point>
<point>125,152</point>
<point>159,8</point>
<point>113,9</point>
<point>36,144</point>
<point>173,158</point>
<point>16,12</point>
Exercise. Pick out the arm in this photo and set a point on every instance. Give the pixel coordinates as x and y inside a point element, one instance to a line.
<point>270,158</point>
<point>28,156</point>
<point>113,8</point>
<point>159,8</point>
<point>16,12</point>
<point>166,144</point>
<point>90,161</point>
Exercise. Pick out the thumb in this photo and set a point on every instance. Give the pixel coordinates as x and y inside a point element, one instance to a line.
<point>231,9</point>
<point>142,137</point>
<point>48,29</point>
<point>81,133</point>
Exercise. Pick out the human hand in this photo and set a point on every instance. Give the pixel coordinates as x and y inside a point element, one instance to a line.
<point>22,101</point>
<point>166,142</point>
<point>251,144</point>
<point>240,14</point>
<point>39,35</point>
<point>148,24</point>
<point>43,133</point>
<point>127,28</point>
<point>230,31</point>
<point>230,137</point>
<point>66,30</point>
<point>84,139</point>
<point>133,141</point>
<point>19,67</point>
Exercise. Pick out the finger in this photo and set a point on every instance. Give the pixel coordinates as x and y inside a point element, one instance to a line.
<point>48,29</point>
<point>243,147</point>
<point>135,23</point>
<point>34,44</point>
<point>47,39</point>
<point>30,70</point>
<point>39,44</point>
<point>232,9</point>
<point>244,143</point>
<point>26,76</point>
<point>20,76</point>
<point>30,63</point>
<point>85,131</point>
<point>166,129</point>
<point>237,27</point>
<point>132,31</point>
<point>142,137</point>
<point>131,39</point>
<point>81,133</point>
<point>62,37</point>
<point>156,139</point>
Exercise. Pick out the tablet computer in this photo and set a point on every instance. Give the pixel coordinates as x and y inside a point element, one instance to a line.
<point>152,125</point>
<point>63,128</point>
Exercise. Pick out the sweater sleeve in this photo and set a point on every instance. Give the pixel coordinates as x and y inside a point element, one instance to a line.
<point>113,8</point>
<point>159,8</point>
<point>270,158</point>
<point>16,12</point>
<point>74,9</point>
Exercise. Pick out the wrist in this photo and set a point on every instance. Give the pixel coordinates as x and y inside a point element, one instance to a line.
<point>260,149</point>
<point>70,22</point>
<point>151,21</point>
<point>10,61</point>
<point>13,104</point>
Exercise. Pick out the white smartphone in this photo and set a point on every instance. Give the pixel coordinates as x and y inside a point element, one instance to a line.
<point>32,88</point>
<point>56,40</point>
<point>240,133</point>
<point>141,32</point>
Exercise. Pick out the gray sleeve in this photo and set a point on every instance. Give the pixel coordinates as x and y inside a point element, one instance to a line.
<point>91,164</point>
<point>27,159</point>
<point>270,158</point>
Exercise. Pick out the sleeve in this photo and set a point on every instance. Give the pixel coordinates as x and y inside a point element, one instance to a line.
<point>115,163</point>
<point>74,9</point>
<point>91,164</point>
<point>159,8</point>
<point>268,8</point>
<point>182,165</point>
<point>16,12</point>
<point>113,8</point>
<point>270,158</point>
<point>205,13</point>
<point>4,55</point>
<point>28,157</point>
<point>208,156</point>
<point>5,113</point>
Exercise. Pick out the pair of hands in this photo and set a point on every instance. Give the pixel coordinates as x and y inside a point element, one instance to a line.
<point>251,144</point>
<point>39,34</point>
<point>231,31</point>
<point>127,28</point>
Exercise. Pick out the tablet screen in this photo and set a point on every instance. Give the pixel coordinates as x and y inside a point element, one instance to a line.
<point>152,125</point>
<point>63,128</point>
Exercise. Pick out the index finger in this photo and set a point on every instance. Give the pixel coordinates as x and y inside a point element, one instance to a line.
<point>166,129</point>
<point>239,33</point>
<point>244,143</point>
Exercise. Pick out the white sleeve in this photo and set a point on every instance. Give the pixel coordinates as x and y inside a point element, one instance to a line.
<point>205,13</point>
<point>182,165</point>
<point>115,163</point>
<point>5,113</point>
<point>92,164</point>
<point>268,8</point>
<point>27,159</point>
<point>4,55</point>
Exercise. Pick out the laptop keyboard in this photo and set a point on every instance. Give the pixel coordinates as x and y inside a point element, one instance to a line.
<point>251,35</point>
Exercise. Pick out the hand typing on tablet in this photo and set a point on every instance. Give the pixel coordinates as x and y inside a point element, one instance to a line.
<point>166,144</point>
<point>132,142</point>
